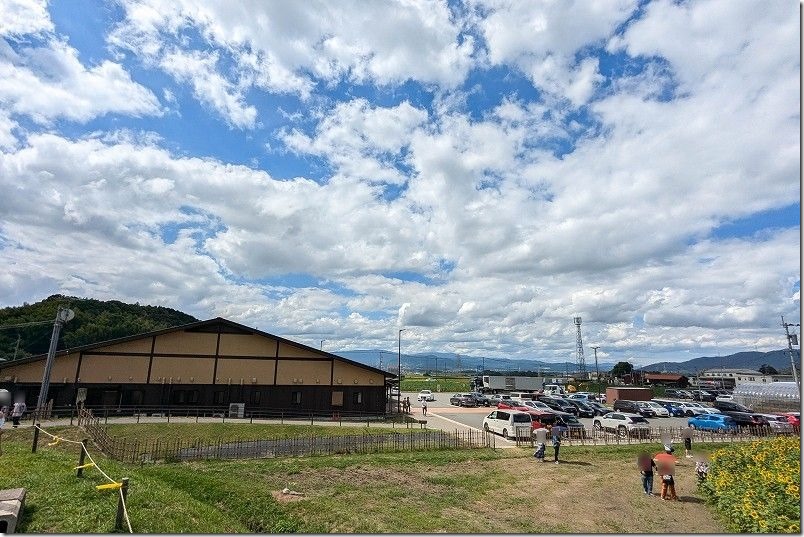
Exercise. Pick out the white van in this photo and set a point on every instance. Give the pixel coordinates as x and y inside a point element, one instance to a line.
<point>508,423</point>
<point>522,396</point>
<point>553,389</point>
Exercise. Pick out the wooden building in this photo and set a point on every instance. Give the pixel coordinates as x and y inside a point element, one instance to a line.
<point>203,364</point>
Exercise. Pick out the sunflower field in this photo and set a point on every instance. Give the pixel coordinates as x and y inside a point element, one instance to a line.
<point>756,486</point>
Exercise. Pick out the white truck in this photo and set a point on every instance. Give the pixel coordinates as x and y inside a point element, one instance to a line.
<point>503,383</point>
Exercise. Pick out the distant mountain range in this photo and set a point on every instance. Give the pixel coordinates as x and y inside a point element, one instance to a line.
<point>440,361</point>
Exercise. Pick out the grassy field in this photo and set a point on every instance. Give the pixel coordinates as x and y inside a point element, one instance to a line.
<point>471,491</point>
<point>415,383</point>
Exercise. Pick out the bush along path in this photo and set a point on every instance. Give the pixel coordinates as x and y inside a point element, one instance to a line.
<point>756,486</point>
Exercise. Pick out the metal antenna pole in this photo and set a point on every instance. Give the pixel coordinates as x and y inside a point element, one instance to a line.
<point>597,371</point>
<point>51,353</point>
<point>790,346</point>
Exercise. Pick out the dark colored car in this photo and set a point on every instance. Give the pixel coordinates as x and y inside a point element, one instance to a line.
<point>623,405</point>
<point>575,429</point>
<point>462,399</point>
<point>731,406</point>
<point>599,408</point>
<point>746,419</point>
<point>703,395</point>
<point>480,399</point>
<point>584,410</point>
<point>557,403</point>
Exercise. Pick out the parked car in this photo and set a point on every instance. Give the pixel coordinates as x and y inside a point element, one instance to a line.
<point>394,391</point>
<point>513,404</point>
<point>507,422</point>
<point>778,424</point>
<point>705,409</point>
<point>731,406</point>
<point>633,407</point>
<point>678,394</point>
<point>583,396</point>
<point>703,395</point>
<point>497,397</point>
<point>537,406</point>
<point>480,399</point>
<point>575,429</point>
<point>584,410</point>
<point>599,408</point>
<point>724,397</point>
<point>622,423</point>
<point>462,399</point>
<point>794,418</point>
<point>671,406</point>
<point>426,395</point>
<point>658,409</point>
<point>691,409</point>
<point>745,419</point>
<point>713,422</point>
<point>556,403</point>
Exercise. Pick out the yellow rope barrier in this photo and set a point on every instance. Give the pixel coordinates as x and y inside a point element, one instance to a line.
<point>112,485</point>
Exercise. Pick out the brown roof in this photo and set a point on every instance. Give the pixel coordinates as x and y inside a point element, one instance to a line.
<point>663,376</point>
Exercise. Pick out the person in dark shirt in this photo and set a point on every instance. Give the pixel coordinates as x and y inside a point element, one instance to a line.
<point>646,466</point>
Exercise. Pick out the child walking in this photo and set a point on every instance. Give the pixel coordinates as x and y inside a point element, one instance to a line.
<point>646,466</point>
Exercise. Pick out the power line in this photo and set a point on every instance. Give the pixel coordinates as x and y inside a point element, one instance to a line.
<point>23,325</point>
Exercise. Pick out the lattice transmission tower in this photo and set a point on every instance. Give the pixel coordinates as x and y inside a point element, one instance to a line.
<point>579,349</point>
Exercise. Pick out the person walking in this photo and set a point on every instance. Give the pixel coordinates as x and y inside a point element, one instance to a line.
<point>424,407</point>
<point>557,431</point>
<point>686,434</point>
<point>17,412</point>
<point>666,466</point>
<point>541,443</point>
<point>3,412</point>
<point>646,465</point>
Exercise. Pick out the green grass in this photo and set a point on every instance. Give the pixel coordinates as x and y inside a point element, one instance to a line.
<point>212,432</point>
<point>448,384</point>
<point>455,491</point>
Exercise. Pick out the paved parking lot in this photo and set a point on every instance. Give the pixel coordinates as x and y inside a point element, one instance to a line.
<point>473,417</point>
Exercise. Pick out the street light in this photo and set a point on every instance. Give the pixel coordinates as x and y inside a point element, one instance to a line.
<point>399,372</point>
<point>322,344</point>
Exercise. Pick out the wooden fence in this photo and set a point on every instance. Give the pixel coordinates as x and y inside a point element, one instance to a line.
<point>136,451</point>
<point>654,435</point>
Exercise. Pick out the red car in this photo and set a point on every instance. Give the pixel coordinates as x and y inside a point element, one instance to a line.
<point>512,405</point>
<point>794,418</point>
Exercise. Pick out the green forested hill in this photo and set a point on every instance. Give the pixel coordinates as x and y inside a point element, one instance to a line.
<point>95,321</point>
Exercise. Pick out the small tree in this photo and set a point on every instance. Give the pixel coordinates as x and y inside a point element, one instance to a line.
<point>766,369</point>
<point>621,369</point>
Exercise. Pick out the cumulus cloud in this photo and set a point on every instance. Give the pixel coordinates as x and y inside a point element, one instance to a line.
<point>43,78</point>
<point>480,229</point>
<point>288,48</point>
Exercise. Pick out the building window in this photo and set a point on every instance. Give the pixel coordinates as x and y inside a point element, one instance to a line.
<point>217,397</point>
<point>357,398</point>
<point>255,397</point>
<point>178,397</point>
<point>295,398</point>
<point>192,397</point>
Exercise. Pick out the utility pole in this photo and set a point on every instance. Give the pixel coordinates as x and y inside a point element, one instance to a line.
<point>597,370</point>
<point>322,345</point>
<point>399,372</point>
<point>62,316</point>
<point>792,339</point>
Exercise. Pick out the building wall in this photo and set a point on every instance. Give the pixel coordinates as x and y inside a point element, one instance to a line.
<point>177,368</point>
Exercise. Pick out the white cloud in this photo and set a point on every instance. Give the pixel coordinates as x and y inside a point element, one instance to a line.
<point>548,36</point>
<point>47,82</point>
<point>286,48</point>
<point>21,17</point>
<point>210,87</point>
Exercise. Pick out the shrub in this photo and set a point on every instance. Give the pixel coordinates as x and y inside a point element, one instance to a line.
<point>756,486</point>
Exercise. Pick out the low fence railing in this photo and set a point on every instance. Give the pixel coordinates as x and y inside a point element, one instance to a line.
<point>654,435</point>
<point>223,413</point>
<point>142,451</point>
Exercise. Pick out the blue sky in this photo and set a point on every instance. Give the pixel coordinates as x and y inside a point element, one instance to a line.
<point>476,172</point>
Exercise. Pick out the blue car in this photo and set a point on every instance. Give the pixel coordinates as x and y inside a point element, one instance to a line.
<point>672,408</point>
<point>713,422</point>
